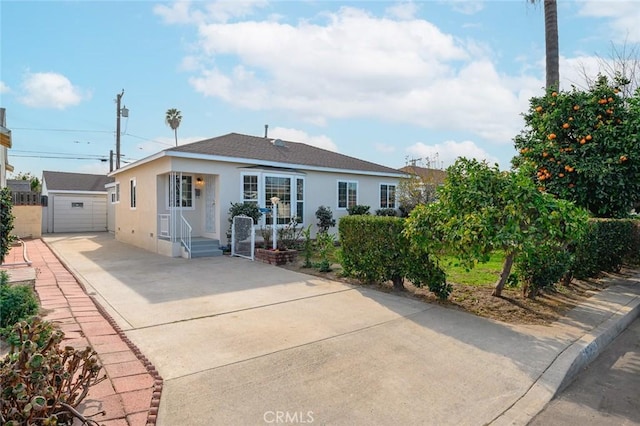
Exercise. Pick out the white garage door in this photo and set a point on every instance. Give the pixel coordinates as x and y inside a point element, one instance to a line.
<point>79,213</point>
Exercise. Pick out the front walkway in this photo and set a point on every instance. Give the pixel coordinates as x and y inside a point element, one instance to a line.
<point>131,395</point>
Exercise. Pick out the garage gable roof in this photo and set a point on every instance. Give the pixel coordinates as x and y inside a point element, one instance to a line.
<point>64,181</point>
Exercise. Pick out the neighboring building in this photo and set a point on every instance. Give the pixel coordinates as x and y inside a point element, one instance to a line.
<point>76,202</point>
<point>5,144</point>
<point>26,209</point>
<point>193,186</point>
<point>433,177</point>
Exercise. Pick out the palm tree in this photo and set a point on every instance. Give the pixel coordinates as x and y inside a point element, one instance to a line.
<point>173,119</point>
<point>552,48</point>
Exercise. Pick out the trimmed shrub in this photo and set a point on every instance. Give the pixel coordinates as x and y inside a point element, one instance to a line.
<point>386,212</point>
<point>541,267</point>
<point>605,247</point>
<point>358,210</point>
<point>374,249</point>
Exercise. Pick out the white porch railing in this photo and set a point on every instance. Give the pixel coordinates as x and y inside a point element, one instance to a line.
<point>185,234</point>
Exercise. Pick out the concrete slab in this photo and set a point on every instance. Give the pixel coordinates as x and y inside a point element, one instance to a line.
<point>251,343</point>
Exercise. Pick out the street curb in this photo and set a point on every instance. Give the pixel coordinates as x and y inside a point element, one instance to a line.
<point>570,362</point>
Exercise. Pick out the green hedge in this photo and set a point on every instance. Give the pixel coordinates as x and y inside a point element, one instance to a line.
<point>374,249</point>
<point>608,244</point>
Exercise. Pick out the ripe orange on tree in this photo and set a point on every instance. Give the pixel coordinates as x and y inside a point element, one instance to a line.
<point>588,137</point>
<point>551,136</point>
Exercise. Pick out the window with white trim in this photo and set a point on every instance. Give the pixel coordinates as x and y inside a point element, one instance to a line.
<point>250,189</point>
<point>115,195</point>
<point>183,190</point>
<point>132,193</point>
<point>278,186</point>
<point>347,194</point>
<point>259,188</point>
<point>299,199</point>
<point>387,196</point>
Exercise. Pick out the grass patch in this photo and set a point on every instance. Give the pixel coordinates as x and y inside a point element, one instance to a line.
<point>482,274</point>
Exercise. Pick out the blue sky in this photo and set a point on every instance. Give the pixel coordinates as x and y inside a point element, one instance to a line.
<point>381,81</point>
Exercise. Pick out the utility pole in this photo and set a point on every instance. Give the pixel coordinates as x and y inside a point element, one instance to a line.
<point>118,112</point>
<point>110,161</point>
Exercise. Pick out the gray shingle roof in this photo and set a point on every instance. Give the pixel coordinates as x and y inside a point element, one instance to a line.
<point>63,181</point>
<point>264,150</point>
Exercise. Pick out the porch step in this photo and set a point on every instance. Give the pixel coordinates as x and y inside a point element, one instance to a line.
<point>205,247</point>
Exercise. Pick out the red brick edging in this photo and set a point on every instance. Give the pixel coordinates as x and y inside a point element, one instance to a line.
<point>158,381</point>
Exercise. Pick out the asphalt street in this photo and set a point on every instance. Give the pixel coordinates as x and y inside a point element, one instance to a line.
<point>605,393</point>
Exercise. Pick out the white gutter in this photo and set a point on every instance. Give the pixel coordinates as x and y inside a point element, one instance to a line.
<point>55,192</point>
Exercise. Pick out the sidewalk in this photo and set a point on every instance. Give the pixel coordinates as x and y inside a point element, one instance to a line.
<point>131,395</point>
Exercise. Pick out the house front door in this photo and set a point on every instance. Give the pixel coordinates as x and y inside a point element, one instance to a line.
<point>210,206</point>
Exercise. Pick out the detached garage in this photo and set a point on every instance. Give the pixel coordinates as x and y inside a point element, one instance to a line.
<point>77,202</point>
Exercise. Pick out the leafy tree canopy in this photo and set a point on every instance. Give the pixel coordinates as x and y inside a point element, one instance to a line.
<point>481,209</point>
<point>584,146</point>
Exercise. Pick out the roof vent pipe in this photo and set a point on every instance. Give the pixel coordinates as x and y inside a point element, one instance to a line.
<point>266,130</point>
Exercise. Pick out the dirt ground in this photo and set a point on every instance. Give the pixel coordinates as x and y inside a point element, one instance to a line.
<point>512,307</point>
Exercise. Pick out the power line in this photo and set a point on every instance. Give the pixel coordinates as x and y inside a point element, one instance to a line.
<point>147,139</point>
<point>54,153</point>
<point>103,159</point>
<point>35,129</point>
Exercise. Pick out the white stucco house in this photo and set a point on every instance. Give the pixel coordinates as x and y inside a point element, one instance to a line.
<point>186,192</point>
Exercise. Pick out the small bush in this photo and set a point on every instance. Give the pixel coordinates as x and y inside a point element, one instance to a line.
<point>17,303</point>
<point>6,223</point>
<point>325,219</point>
<point>541,267</point>
<point>307,247</point>
<point>43,383</point>
<point>386,212</point>
<point>245,209</point>
<point>326,244</point>
<point>289,235</point>
<point>358,209</point>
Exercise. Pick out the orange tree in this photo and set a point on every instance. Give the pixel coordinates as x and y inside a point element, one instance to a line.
<point>481,209</point>
<point>585,147</point>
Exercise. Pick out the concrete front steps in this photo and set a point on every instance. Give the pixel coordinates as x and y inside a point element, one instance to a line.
<point>205,247</point>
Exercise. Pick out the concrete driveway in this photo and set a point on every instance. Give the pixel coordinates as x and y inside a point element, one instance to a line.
<point>241,342</point>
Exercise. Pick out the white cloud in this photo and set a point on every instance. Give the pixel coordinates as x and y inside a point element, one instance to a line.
<point>182,12</point>
<point>50,90</point>
<point>624,17</point>
<point>295,135</point>
<point>467,7</point>
<point>442,155</point>
<point>358,65</point>
<point>403,11</point>
<point>4,88</point>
